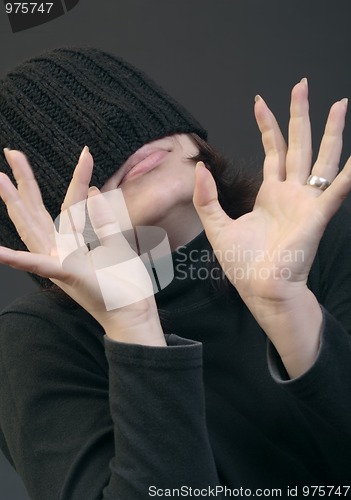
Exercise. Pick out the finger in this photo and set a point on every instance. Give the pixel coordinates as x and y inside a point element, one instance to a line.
<point>30,229</point>
<point>26,184</point>
<point>43,265</point>
<point>29,193</point>
<point>206,202</point>
<point>106,225</point>
<point>102,218</point>
<point>331,199</point>
<point>273,141</point>
<point>299,155</point>
<point>78,189</point>
<point>72,216</point>
<point>67,244</point>
<point>72,219</point>
<point>331,146</point>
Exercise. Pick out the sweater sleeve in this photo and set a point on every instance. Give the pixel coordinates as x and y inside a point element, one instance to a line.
<point>323,392</point>
<point>74,428</point>
<point>157,404</point>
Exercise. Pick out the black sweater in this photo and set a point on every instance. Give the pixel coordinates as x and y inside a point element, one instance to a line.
<point>83,417</point>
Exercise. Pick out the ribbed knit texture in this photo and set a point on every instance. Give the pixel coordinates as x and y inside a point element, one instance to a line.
<point>54,104</point>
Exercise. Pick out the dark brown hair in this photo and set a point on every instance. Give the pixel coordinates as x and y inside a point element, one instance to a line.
<point>237,185</point>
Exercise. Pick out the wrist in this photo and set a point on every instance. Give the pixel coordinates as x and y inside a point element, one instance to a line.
<point>293,325</point>
<point>136,324</point>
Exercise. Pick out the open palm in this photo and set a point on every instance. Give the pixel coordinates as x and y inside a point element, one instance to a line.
<point>268,253</point>
<point>105,279</point>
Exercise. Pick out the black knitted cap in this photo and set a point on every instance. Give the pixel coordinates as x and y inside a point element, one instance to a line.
<point>54,104</point>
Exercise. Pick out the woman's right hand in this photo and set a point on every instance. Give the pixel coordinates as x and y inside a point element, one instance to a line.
<point>109,281</point>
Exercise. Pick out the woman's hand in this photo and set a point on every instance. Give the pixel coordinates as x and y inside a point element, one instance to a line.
<point>110,281</point>
<point>267,254</point>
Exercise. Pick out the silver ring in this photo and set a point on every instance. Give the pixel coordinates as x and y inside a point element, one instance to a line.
<point>318,182</point>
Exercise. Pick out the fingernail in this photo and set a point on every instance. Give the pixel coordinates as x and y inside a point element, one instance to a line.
<point>93,190</point>
<point>304,81</point>
<point>84,150</point>
<point>258,98</point>
<point>345,101</point>
<point>6,152</point>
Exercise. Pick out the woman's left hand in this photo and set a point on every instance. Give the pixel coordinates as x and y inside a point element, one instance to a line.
<point>267,254</point>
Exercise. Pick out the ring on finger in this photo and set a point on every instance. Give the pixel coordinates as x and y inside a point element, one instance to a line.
<point>318,182</point>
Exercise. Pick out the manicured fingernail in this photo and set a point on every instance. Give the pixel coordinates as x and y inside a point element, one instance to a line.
<point>84,150</point>
<point>258,98</point>
<point>6,152</point>
<point>304,81</point>
<point>345,101</point>
<point>93,190</point>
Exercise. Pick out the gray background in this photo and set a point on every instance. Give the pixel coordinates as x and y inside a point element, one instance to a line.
<point>213,56</point>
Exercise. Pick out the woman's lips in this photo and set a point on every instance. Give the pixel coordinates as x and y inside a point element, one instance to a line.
<point>151,161</point>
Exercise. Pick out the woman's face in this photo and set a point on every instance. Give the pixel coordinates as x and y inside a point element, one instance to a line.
<point>157,182</point>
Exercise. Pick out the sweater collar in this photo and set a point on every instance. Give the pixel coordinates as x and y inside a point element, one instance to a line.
<point>193,266</point>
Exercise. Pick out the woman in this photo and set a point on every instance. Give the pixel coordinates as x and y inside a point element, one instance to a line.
<point>102,402</point>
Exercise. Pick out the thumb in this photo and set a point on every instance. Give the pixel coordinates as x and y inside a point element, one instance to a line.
<point>206,202</point>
